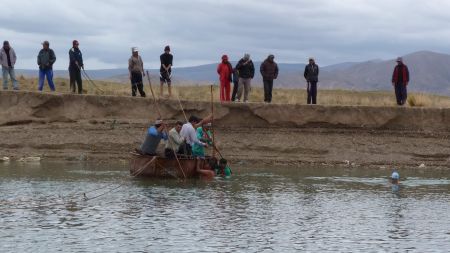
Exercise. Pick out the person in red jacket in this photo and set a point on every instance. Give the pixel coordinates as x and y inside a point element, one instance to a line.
<point>225,70</point>
<point>400,79</point>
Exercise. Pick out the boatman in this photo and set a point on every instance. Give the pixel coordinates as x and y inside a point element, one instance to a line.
<point>153,137</point>
<point>174,142</point>
<point>189,134</point>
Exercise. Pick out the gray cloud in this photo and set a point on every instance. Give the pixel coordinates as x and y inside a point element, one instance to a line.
<point>200,31</point>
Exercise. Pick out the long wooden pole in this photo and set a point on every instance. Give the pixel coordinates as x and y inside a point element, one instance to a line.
<point>159,114</point>
<point>212,123</point>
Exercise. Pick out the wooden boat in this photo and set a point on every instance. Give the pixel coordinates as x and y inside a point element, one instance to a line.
<point>161,167</point>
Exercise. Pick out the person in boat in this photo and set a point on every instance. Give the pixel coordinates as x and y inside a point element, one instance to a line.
<point>189,134</point>
<point>204,135</point>
<point>153,137</point>
<point>223,169</point>
<point>174,141</point>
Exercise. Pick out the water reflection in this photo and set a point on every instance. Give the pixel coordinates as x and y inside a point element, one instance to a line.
<point>283,210</point>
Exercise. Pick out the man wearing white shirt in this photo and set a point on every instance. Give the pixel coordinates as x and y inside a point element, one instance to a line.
<point>189,134</point>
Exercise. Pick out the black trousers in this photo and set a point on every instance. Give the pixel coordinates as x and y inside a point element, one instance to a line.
<point>75,76</point>
<point>312,93</point>
<point>137,84</point>
<point>235,89</point>
<point>268,86</point>
<point>401,93</point>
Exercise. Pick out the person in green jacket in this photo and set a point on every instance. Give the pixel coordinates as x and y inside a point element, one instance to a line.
<point>204,135</point>
<point>223,169</point>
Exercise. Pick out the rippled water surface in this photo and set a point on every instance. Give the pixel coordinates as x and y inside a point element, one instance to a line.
<point>43,209</point>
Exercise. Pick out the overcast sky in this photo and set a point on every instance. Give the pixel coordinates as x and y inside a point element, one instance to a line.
<point>200,31</point>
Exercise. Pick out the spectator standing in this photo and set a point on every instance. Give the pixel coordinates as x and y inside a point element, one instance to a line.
<point>269,72</point>
<point>75,66</point>
<point>235,84</point>
<point>311,75</point>
<point>246,73</point>
<point>165,72</point>
<point>136,71</point>
<point>46,58</point>
<point>225,70</point>
<point>8,60</point>
<point>400,79</point>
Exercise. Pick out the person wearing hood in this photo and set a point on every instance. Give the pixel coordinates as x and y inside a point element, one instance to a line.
<point>400,79</point>
<point>75,66</point>
<point>246,73</point>
<point>8,60</point>
<point>225,70</point>
<point>269,72</point>
<point>311,75</point>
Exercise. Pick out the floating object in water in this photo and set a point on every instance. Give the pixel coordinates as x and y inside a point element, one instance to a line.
<point>4,159</point>
<point>422,165</point>
<point>395,175</point>
<point>30,159</point>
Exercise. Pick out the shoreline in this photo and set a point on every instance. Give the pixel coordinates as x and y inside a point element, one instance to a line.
<point>66,127</point>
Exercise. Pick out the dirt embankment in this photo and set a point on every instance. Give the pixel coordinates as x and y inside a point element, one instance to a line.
<point>74,127</point>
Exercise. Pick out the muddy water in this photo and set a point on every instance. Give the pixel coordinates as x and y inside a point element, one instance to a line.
<point>42,209</point>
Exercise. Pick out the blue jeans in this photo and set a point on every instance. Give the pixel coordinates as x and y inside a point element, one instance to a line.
<point>42,74</point>
<point>9,71</point>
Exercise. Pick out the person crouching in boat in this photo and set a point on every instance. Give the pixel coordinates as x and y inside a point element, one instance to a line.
<point>189,134</point>
<point>153,137</point>
<point>204,135</point>
<point>223,169</point>
<point>174,141</point>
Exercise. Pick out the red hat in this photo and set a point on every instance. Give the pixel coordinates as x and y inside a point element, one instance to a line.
<point>74,42</point>
<point>224,57</point>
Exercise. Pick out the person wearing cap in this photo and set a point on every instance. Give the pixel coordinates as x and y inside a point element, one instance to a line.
<point>165,71</point>
<point>311,75</point>
<point>174,141</point>
<point>269,72</point>
<point>246,73</point>
<point>222,169</point>
<point>189,134</point>
<point>136,71</point>
<point>46,58</point>
<point>75,66</point>
<point>400,79</point>
<point>225,70</point>
<point>8,60</point>
<point>204,135</point>
<point>153,137</point>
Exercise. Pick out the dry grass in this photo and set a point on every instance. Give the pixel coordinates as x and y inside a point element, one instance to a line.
<point>280,96</point>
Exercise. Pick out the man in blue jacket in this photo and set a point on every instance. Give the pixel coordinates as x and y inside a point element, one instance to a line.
<point>75,66</point>
<point>153,137</point>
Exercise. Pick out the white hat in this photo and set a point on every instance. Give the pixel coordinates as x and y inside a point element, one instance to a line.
<point>134,49</point>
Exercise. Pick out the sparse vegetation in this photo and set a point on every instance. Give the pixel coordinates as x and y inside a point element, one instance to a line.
<point>280,96</point>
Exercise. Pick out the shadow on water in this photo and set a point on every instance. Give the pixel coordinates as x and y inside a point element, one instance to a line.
<point>268,209</point>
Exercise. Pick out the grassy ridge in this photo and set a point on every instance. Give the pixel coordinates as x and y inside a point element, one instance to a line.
<point>282,96</point>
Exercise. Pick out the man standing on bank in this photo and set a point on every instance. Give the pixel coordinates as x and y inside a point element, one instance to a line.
<point>75,66</point>
<point>165,71</point>
<point>8,60</point>
<point>246,71</point>
<point>46,58</point>
<point>311,75</point>
<point>136,70</point>
<point>400,79</point>
<point>269,72</point>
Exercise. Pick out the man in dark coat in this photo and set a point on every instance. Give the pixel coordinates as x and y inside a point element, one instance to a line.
<point>400,79</point>
<point>311,75</point>
<point>75,66</point>
<point>269,72</point>
<point>246,71</point>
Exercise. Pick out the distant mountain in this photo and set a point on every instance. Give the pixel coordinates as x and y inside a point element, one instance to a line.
<point>430,72</point>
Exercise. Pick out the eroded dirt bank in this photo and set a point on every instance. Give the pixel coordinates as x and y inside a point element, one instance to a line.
<point>106,128</point>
